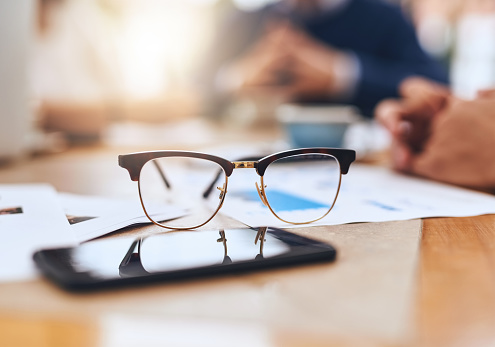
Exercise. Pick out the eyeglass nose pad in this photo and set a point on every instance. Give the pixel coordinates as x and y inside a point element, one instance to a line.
<point>222,191</point>
<point>261,193</point>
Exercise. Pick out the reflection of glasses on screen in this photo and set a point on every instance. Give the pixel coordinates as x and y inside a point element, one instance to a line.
<point>132,263</point>
<point>298,186</point>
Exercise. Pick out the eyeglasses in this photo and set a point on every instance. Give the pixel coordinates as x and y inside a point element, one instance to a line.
<point>298,186</point>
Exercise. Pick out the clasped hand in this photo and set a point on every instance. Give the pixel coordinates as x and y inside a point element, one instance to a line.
<point>289,62</point>
<point>439,136</point>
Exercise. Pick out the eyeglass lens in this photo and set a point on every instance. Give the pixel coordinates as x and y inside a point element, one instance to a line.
<point>302,188</point>
<point>182,181</point>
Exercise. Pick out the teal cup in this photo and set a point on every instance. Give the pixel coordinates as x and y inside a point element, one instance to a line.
<point>316,126</point>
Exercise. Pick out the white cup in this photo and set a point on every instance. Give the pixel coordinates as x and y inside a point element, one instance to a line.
<point>16,28</point>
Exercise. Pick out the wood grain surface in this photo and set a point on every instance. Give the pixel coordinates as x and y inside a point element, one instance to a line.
<point>456,282</point>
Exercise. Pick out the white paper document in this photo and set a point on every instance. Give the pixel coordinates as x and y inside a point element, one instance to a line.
<point>372,194</point>
<point>93,216</point>
<point>31,218</point>
<point>34,216</point>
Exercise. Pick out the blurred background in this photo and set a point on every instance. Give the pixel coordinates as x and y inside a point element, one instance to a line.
<point>111,60</point>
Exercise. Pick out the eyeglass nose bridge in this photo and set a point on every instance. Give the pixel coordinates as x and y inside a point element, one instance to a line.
<point>244,164</point>
<point>253,165</point>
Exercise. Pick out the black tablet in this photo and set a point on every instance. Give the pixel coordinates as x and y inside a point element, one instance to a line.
<point>177,255</point>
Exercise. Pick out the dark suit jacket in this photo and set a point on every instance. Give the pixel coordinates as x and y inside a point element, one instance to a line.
<point>378,33</point>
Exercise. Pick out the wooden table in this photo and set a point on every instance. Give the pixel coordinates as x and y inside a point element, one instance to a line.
<point>408,283</point>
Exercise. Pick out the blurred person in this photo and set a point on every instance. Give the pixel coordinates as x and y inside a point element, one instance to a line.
<point>473,56</point>
<point>318,51</point>
<point>72,75</point>
<point>440,136</point>
<point>77,77</point>
<point>462,34</point>
<point>434,21</point>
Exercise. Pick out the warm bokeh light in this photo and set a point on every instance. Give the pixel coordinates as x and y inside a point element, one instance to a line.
<point>159,45</point>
